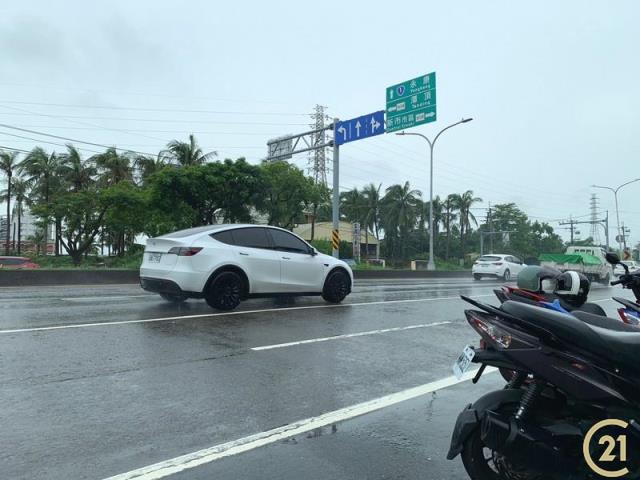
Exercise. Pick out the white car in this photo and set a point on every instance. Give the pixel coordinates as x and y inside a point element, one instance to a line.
<point>619,269</point>
<point>225,264</point>
<point>497,265</point>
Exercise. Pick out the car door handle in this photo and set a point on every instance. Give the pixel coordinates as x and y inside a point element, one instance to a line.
<point>244,253</point>
<point>286,258</point>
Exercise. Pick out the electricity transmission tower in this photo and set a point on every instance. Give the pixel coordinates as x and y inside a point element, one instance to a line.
<point>317,157</point>
<point>595,231</point>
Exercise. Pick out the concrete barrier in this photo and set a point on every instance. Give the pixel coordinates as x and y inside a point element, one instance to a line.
<point>19,278</point>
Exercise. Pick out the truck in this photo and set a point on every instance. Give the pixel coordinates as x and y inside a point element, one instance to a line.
<point>588,260</point>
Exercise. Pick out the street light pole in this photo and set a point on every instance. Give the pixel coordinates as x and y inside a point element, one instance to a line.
<point>615,195</point>
<point>431,264</point>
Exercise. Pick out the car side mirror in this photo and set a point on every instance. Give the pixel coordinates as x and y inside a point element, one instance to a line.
<point>612,258</point>
<point>313,252</point>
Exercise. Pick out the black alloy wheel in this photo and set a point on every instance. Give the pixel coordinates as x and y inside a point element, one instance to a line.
<point>225,291</point>
<point>336,287</point>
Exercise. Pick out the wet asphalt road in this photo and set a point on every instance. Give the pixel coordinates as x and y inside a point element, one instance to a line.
<point>99,381</point>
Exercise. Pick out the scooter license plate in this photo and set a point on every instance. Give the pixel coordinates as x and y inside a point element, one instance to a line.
<point>464,361</point>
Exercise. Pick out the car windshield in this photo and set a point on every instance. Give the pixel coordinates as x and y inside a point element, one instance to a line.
<point>255,239</point>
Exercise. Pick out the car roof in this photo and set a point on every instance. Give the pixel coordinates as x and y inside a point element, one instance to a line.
<point>208,229</point>
<point>495,255</point>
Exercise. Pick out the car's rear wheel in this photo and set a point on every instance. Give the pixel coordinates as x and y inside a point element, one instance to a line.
<point>225,291</point>
<point>174,297</point>
<point>336,287</point>
<point>507,275</point>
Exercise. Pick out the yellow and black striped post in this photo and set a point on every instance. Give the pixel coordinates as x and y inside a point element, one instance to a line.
<point>335,240</point>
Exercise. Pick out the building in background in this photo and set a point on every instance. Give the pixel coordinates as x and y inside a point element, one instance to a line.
<point>369,245</point>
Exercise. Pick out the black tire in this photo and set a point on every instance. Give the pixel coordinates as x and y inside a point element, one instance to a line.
<point>507,275</point>
<point>336,286</point>
<point>225,291</point>
<point>174,297</point>
<point>477,276</point>
<point>480,466</point>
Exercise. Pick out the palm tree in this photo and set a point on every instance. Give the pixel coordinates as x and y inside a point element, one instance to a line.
<point>77,172</point>
<point>464,203</point>
<point>371,195</point>
<point>8,163</point>
<point>448,207</point>
<point>113,167</point>
<point>399,211</point>
<point>147,166</point>
<point>187,153</point>
<point>20,188</point>
<point>41,169</point>
<point>424,211</point>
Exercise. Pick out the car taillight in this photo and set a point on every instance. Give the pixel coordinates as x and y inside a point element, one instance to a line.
<point>185,251</point>
<point>497,263</point>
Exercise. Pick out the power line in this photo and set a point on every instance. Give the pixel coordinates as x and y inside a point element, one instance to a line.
<point>145,109</point>
<point>157,120</point>
<point>71,139</point>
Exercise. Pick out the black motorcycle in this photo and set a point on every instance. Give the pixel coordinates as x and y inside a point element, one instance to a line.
<point>571,372</point>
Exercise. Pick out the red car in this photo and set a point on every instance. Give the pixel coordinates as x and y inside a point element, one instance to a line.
<point>15,263</point>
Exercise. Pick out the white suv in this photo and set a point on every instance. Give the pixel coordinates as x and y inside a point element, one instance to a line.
<point>227,263</point>
<point>497,265</point>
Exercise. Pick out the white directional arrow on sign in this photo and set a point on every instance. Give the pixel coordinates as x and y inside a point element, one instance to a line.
<point>343,131</point>
<point>358,126</point>
<point>374,125</point>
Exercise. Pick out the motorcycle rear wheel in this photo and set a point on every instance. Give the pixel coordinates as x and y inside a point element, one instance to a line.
<point>482,463</point>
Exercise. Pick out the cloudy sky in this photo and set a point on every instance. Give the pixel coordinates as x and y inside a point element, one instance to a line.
<point>552,87</point>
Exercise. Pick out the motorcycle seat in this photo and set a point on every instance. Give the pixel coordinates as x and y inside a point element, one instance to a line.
<point>606,337</point>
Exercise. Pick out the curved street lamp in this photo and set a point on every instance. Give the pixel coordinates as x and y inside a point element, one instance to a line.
<point>431,264</point>
<point>615,194</point>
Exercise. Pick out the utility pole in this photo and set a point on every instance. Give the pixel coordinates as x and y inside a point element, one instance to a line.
<point>335,234</point>
<point>572,223</point>
<point>490,229</point>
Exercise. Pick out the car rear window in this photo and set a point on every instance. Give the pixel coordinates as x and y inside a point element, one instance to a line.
<point>489,258</point>
<point>224,237</point>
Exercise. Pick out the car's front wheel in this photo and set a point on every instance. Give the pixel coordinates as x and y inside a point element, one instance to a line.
<point>225,291</point>
<point>174,297</point>
<point>336,287</point>
<point>477,276</point>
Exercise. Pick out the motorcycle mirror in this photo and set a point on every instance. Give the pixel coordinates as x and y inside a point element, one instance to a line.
<point>612,258</point>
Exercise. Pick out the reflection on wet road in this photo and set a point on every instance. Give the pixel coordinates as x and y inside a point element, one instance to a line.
<point>99,381</point>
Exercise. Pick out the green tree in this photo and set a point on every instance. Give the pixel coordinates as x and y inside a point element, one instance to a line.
<point>448,217</point>
<point>75,171</point>
<point>463,204</point>
<point>147,166</point>
<point>187,153</point>
<point>113,167</point>
<point>287,192</point>
<point>371,217</point>
<point>21,188</point>
<point>8,164</point>
<point>399,212</point>
<point>41,169</point>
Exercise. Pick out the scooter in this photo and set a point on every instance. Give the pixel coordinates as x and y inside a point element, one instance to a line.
<point>570,375</point>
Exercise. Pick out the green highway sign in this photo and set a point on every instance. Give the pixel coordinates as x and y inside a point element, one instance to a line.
<point>411,103</point>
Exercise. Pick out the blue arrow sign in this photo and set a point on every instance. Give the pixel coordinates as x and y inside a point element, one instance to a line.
<point>359,128</point>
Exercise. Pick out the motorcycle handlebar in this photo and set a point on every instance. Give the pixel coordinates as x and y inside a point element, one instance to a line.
<point>616,282</point>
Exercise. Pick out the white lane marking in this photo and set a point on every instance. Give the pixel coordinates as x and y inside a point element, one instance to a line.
<point>235,447</point>
<point>105,297</point>
<point>207,315</point>
<point>348,335</point>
